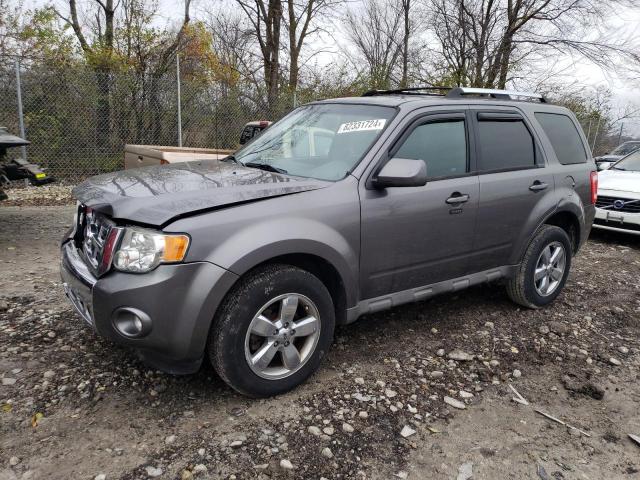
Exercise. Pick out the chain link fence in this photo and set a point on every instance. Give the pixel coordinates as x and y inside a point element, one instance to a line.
<point>79,120</point>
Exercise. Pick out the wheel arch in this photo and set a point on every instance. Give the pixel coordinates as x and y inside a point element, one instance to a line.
<point>570,223</point>
<point>318,266</point>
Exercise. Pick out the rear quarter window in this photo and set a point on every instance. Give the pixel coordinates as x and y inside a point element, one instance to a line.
<point>564,137</point>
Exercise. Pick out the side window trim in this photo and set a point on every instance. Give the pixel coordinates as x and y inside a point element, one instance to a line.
<point>436,117</point>
<point>480,114</point>
<point>499,117</point>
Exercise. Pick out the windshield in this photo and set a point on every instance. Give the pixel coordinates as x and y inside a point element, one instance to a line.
<point>626,148</point>
<point>324,141</point>
<point>630,162</point>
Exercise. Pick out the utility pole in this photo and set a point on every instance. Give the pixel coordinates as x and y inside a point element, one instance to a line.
<point>595,138</point>
<point>20,114</point>
<point>179,101</point>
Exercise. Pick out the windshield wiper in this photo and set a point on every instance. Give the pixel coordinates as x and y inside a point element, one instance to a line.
<point>618,168</point>
<point>265,166</point>
<point>229,158</point>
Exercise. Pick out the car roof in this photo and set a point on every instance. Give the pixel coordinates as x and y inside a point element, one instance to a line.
<point>420,100</point>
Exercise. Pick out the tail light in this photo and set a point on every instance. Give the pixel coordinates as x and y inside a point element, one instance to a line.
<point>164,162</point>
<point>594,187</point>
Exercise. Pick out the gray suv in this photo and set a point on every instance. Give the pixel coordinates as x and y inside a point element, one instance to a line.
<point>343,208</point>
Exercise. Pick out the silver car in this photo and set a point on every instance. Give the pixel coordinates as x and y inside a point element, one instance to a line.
<point>605,161</point>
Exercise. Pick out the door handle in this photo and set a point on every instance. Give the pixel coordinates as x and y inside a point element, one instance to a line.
<point>538,186</point>
<point>457,197</point>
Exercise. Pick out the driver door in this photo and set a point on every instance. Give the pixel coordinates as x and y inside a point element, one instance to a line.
<point>416,236</point>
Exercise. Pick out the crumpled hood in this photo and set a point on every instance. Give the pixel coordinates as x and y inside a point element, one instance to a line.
<point>156,195</point>
<point>619,181</point>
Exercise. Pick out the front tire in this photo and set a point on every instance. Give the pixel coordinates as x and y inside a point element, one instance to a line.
<point>543,272</point>
<point>272,330</point>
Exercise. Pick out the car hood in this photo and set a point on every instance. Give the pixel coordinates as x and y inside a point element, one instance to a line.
<point>619,181</point>
<point>157,195</point>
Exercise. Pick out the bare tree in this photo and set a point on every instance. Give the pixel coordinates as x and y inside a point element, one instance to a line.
<point>97,33</point>
<point>302,22</point>
<point>99,52</point>
<point>375,30</point>
<point>265,17</point>
<point>483,42</point>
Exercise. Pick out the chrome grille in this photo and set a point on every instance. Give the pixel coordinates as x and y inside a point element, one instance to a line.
<point>614,204</point>
<point>95,229</point>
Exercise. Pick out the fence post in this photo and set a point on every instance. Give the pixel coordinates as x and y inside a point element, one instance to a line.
<point>179,101</point>
<point>20,115</point>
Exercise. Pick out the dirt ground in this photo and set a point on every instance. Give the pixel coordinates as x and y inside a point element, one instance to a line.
<point>74,406</point>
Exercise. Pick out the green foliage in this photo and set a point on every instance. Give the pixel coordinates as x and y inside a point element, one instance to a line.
<point>45,38</point>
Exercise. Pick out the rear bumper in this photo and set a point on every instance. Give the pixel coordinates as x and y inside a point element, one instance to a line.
<point>180,300</point>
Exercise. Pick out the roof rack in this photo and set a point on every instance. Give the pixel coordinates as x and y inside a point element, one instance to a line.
<point>495,93</point>
<point>407,91</point>
<point>458,92</point>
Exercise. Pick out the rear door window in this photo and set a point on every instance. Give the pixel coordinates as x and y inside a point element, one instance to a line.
<point>564,137</point>
<point>442,145</point>
<point>504,143</point>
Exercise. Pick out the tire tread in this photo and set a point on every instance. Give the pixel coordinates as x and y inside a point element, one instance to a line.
<point>516,286</point>
<point>225,320</point>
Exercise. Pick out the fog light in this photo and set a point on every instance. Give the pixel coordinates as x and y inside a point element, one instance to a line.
<point>131,322</point>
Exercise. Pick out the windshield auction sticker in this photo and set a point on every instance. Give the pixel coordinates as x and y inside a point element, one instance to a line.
<point>362,126</point>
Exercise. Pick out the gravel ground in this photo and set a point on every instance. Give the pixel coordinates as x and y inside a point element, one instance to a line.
<point>421,391</point>
<point>22,195</point>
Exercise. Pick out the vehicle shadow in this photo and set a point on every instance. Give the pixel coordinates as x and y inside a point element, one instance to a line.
<point>618,238</point>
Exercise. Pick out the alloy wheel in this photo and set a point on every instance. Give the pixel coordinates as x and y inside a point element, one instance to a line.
<point>550,269</point>
<point>282,336</point>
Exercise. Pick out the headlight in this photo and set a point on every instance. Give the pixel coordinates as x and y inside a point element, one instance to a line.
<point>142,250</point>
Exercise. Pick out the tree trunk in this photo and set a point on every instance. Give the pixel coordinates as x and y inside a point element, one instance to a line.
<point>293,47</point>
<point>404,82</point>
<point>505,63</point>
<point>293,72</point>
<point>272,47</point>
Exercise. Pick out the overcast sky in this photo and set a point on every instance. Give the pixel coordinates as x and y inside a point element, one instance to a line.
<point>625,93</point>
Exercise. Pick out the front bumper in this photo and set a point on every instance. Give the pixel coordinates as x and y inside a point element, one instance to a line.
<point>180,300</point>
<point>617,221</point>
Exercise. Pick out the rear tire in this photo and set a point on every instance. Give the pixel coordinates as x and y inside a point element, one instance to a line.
<point>543,272</point>
<point>258,358</point>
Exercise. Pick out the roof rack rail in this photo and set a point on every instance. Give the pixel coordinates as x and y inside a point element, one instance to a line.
<point>495,93</point>
<point>407,91</point>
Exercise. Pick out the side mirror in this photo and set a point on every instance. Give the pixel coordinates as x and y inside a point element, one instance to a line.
<point>401,172</point>
<point>604,166</point>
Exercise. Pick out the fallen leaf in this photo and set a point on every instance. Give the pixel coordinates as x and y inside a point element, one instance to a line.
<point>7,407</point>
<point>36,417</point>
